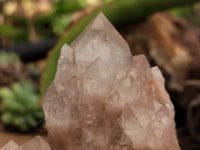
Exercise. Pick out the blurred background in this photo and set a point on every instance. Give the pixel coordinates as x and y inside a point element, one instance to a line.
<point>32,33</point>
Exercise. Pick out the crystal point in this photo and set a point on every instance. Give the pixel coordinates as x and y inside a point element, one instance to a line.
<point>102,98</point>
<point>101,40</point>
<point>36,143</point>
<point>10,146</point>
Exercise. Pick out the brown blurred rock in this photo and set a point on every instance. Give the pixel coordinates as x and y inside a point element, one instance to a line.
<point>102,98</point>
<point>168,42</point>
<point>10,72</point>
<point>193,118</point>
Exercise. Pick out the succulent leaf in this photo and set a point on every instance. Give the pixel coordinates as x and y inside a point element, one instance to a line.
<point>19,107</point>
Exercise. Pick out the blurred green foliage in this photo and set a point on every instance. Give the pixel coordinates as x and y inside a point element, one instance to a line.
<point>68,6</point>
<point>43,26</point>
<point>61,14</point>
<point>8,31</point>
<point>182,12</point>
<point>8,57</point>
<point>17,26</point>
<point>21,24</point>
<point>56,22</point>
<point>190,13</point>
<point>16,29</point>
<point>60,23</point>
<point>19,107</point>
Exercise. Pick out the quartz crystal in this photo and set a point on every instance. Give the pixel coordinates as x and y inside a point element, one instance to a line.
<point>10,146</point>
<point>103,98</point>
<point>36,143</point>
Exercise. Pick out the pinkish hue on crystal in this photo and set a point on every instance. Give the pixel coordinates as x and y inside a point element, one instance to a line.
<point>10,146</point>
<point>36,143</point>
<point>102,98</point>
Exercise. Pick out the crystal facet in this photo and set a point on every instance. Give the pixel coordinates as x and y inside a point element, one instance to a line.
<point>102,98</point>
<point>36,143</point>
<point>10,146</point>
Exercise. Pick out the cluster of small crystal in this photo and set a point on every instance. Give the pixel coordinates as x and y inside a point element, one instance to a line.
<point>36,143</point>
<point>102,98</point>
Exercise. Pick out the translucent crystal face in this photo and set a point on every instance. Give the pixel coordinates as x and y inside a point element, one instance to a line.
<point>102,98</point>
<point>10,146</point>
<point>37,143</point>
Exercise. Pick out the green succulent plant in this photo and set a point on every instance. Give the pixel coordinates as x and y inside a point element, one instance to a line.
<point>8,57</point>
<point>19,107</point>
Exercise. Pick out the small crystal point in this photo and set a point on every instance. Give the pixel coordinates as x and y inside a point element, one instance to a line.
<point>10,146</point>
<point>102,98</point>
<point>36,143</point>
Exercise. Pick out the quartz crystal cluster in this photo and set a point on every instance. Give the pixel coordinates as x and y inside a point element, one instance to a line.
<point>103,98</point>
<point>36,143</point>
